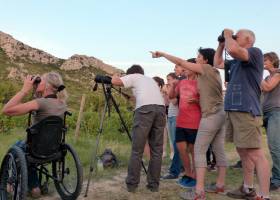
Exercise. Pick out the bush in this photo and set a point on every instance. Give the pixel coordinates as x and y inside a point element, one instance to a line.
<point>8,123</point>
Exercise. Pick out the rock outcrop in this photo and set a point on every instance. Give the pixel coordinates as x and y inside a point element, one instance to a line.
<point>76,62</point>
<point>15,49</point>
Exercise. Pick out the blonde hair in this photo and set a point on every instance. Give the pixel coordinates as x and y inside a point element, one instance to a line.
<point>53,81</point>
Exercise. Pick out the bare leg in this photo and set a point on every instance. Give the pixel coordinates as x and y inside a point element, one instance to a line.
<point>248,166</point>
<point>257,156</point>
<point>200,174</point>
<point>191,150</point>
<point>184,155</point>
<point>221,176</point>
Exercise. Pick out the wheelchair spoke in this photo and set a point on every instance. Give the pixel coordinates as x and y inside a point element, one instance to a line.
<point>69,174</point>
<point>13,180</point>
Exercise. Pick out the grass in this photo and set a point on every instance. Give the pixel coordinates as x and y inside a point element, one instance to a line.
<point>113,179</point>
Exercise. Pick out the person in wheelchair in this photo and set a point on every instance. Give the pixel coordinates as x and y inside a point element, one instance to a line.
<point>50,101</point>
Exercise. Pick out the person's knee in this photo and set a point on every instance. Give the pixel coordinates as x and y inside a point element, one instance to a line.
<point>256,155</point>
<point>181,146</point>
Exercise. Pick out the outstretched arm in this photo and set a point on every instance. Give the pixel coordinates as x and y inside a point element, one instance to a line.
<point>178,61</point>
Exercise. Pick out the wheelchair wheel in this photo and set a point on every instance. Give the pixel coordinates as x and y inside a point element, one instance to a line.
<point>68,174</point>
<point>13,175</point>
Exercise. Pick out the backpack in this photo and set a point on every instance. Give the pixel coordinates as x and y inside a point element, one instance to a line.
<point>109,159</point>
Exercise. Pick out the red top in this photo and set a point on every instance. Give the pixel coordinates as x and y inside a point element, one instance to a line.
<point>189,113</point>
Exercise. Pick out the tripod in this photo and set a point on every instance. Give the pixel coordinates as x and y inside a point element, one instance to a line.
<point>107,90</point>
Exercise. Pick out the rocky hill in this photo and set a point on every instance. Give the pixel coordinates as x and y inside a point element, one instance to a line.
<point>16,50</point>
<point>18,59</point>
<point>76,62</point>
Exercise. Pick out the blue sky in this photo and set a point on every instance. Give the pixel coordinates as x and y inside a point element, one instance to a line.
<point>122,32</point>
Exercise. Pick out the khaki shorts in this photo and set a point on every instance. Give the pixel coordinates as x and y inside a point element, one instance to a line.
<point>244,130</point>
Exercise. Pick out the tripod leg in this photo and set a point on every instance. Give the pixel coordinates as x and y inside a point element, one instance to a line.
<point>124,125</point>
<point>94,153</point>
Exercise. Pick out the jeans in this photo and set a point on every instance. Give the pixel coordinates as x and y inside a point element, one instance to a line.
<point>176,164</point>
<point>272,126</point>
<point>172,128</point>
<point>33,180</point>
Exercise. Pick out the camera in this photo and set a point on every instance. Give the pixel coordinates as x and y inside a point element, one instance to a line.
<point>103,79</point>
<point>221,37</point>
<point>37,80</point>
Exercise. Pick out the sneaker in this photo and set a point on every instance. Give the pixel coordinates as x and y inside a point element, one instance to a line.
<point>237,165</point>
<point>240,193</point>
<point>151,188</point>
<point>212,188</point>
<point>187,182</point>
<point>257,198</point>
<point>274,187</point>
<point>168,177</point>
<point>187,195</point>
<point>200,196</point>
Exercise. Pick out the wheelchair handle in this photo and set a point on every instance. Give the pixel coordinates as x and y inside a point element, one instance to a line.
<point>67,113</point>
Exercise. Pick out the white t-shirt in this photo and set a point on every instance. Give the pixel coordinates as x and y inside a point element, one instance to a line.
<point>145,89</point>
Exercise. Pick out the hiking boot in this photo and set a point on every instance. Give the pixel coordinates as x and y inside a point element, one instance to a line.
<point>240,193</point>
<point>152,188</point>
<point>237,165</point>
<point>187,182</point>
<point>212,188</point>
<point>169,177</point>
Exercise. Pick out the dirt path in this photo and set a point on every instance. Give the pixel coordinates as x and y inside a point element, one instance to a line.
<point>114,189</point>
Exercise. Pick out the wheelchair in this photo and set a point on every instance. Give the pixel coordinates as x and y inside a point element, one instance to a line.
<point>46,152</point>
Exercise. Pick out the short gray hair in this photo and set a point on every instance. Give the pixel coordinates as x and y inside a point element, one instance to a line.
<point>250,34</point>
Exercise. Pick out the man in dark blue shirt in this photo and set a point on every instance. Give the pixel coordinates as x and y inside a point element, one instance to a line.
<point>243,108</point>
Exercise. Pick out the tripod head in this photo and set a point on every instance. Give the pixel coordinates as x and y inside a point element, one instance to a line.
<point>106,82</point>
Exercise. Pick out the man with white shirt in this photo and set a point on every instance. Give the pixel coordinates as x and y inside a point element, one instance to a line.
<point>148,124</point>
